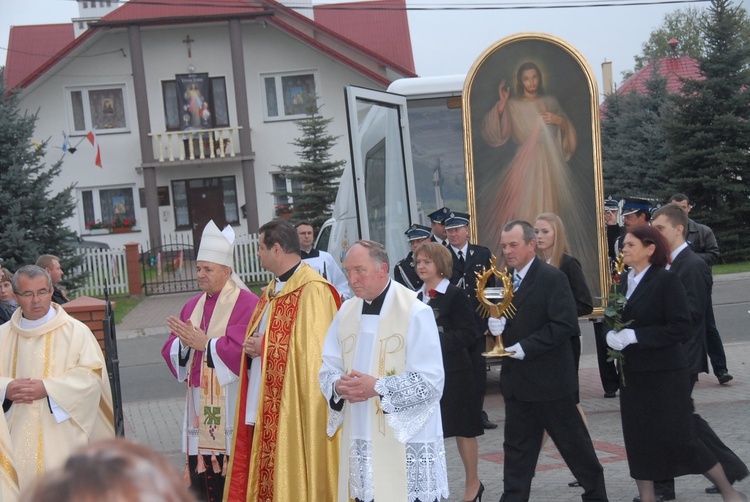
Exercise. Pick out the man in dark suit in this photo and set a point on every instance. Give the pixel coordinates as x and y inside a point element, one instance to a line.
<point>437,222</point>
<point>672,222</point>
<point>539,380</point>
<point>703,243</point>
<point>468,259</point>
<point>403,272</point>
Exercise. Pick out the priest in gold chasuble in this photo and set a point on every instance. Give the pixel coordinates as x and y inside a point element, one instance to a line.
<point>281,450</point>
<point>53,383</point>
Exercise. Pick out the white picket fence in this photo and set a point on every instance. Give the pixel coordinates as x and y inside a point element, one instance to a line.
<point>108,266</point>
<point>102,266</point>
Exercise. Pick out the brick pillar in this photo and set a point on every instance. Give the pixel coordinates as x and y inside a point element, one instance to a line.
<point>132,258</point>
<point>91,312</point>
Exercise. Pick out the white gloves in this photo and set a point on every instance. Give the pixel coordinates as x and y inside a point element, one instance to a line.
<point>519,353</point>
<point>496,326</point>
<point>618,340</point>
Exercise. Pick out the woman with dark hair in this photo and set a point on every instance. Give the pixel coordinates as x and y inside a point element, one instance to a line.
<point>655,399</point>
<point>8,303</point>
<point>460,406</point>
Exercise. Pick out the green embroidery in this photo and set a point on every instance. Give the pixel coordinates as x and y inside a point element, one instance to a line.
<point>212,414</point>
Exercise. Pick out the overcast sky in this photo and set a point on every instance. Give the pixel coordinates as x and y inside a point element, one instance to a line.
<point>448,41</point>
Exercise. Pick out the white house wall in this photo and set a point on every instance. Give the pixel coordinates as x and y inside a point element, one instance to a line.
<point>266,50</point>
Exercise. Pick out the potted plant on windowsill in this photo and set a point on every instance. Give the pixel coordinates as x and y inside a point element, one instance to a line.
<point>122,225</point>
<point>97,227</point>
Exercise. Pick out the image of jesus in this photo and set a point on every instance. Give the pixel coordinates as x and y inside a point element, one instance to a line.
<point>537,179</point>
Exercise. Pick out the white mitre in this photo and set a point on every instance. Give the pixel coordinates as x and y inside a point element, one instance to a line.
<point>217,246</point>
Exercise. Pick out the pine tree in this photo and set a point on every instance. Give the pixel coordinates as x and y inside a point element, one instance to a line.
<point>633,143</point>
<point>709,133</point>
<point>316,175</point>
<point>32,218</point>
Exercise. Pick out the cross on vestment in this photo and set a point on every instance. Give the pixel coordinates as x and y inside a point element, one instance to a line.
<point>189,41</point>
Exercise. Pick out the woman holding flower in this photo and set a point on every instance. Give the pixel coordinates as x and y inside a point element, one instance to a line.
<point>460,406</point>
<point>655,402</point>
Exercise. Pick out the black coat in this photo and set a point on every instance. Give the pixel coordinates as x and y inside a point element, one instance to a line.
<point>571,267</point>
<point>455,321</point>
<point>543,324</point>
<point>697,280</point>
<point>661,319</point>
<point>464,276</point>
<point>404,273</point>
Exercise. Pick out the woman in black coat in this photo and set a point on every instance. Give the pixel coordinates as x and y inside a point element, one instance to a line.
<point>460,406</point>
<point>655,401</point>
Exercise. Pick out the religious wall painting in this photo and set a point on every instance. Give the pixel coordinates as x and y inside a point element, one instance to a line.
<point>531,128</point>
<point>193,92</point>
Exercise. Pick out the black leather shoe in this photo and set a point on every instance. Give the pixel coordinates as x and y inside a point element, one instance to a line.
<point>486,424</point>
<point>659,498</point>
<point>610,394</point>
<point>575,483</point>
<point>713,490</point>
<point>724,377</point>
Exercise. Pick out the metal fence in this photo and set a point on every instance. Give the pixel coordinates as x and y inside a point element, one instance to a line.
<point>103,268</point>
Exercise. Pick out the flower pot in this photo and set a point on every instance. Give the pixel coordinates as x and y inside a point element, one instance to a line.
<point>121,230</point>
<point>98,231</point>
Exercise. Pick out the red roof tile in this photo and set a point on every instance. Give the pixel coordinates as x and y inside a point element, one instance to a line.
<point>29,47</point>
<point>143,10</point>
<point>671,68</point>
<point>379,25</point>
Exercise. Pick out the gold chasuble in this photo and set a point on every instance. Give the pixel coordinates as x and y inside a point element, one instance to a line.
<point>66,356</point>
<point>9,490</point>
<point>287,455</point>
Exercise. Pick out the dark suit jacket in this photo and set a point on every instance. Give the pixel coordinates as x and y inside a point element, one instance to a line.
<point>571,267</point>
<point>455,321</point>
<point>58,297</point>
<point>697,280</point>
<point>477,258</point>
<point>543,325</point>
<point>404,273</point>
<point>659,310</point>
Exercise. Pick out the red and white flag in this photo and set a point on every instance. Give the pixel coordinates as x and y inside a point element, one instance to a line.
<point>92,138</point>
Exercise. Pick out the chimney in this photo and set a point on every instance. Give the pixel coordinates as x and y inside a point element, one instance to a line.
<point>90,11</point>
<point>673,45</point>
<point>607,81</point>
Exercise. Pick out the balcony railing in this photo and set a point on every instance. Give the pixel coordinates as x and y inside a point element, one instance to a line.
<point>195,145</point>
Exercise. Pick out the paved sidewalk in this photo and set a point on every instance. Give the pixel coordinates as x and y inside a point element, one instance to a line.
<point>725,407</point>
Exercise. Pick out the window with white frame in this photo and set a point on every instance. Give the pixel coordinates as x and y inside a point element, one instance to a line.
<point>100,108</point>
<point>107,207</point>
<point>287,95</point>
<point>283,192</point>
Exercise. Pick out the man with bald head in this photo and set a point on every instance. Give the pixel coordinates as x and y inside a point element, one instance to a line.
<point>204,348</point>
<point>382,376</point>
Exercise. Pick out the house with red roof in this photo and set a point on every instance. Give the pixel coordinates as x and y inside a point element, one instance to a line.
<point>192,104</point>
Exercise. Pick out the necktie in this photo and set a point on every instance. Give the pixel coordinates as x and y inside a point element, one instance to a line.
<point>461,257</point>
<point>516,281</point>
<point>445,243</point>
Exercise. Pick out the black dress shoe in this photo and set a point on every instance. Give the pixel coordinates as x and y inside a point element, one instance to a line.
<point>659,498</point>
<point>713,490</point>
<point>610,394</point>
<point>724,377</point>
<point>486,424</point>
<point>575,483</point>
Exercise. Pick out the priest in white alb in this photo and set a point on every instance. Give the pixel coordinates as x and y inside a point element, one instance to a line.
<point>205,350</point>
<point>383,377</point>
<point>53,383</point>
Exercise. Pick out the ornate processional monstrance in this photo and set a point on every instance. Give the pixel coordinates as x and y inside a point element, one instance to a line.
<point>496,301</point>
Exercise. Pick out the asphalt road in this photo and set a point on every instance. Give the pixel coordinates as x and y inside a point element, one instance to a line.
<point>145,377</point>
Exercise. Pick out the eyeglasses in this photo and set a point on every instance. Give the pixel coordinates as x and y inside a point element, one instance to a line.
<point>28,295</point>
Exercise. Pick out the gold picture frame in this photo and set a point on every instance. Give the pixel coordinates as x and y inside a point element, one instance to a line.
<point>520,162</point>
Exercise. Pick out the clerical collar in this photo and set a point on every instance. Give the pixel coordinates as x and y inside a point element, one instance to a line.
<point>288,274</point>
<point>314,253</point>
<point>373,307</point>
<point>29,324</point>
